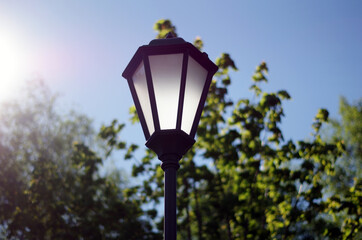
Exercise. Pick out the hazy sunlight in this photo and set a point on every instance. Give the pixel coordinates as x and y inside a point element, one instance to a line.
<point>13,65</point>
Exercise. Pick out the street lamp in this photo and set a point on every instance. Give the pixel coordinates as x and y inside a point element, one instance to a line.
<point>169,80</point>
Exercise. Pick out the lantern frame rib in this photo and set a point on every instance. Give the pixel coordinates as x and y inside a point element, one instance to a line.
<point>139,112</point>
<point>201,104</point>
<point>182,90</point>
<point>151,93</point>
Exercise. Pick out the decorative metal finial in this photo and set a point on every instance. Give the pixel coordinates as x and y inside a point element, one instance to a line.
<point>169,35</point>
<point>169,39</point>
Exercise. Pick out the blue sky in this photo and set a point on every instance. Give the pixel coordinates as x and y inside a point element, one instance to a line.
<point>80,48</point>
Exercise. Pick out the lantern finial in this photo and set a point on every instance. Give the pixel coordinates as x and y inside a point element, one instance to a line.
<point>169,35</point>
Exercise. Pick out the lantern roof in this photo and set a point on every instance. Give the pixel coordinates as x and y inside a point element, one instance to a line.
<point>168,45</point>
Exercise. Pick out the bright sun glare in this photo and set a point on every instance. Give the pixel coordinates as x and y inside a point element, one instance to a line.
<point>13,65</point>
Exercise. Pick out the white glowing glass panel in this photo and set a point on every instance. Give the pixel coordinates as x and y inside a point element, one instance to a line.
<point>140,84</point>
<point>195,81</point>
<point>166,77</point>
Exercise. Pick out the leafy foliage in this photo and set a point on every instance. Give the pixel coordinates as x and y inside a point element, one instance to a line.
<point>163,27</point>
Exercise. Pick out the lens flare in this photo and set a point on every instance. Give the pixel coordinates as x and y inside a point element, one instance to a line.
<point>13,65</point>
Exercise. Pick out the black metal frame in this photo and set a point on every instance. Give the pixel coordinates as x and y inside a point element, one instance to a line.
<point>163,47</point>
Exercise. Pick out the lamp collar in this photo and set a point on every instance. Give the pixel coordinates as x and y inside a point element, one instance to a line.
<point>170,39</point>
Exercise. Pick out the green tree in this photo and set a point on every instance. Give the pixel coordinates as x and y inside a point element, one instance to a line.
<point>349,129</point>
<point>242,179</point>
<point>345,184</point>
<point>50,184</point>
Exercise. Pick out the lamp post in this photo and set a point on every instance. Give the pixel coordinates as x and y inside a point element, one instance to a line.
<point>169,80</point>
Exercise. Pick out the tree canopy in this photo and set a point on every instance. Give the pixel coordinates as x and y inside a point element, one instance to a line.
<point>50,184</point>
<point>243,180</point>
<point>349,129</point>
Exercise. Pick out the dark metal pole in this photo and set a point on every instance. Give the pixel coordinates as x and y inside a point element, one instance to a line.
<point>170,165</point>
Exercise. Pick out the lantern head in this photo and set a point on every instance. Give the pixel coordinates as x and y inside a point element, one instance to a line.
<point>169,80</point>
